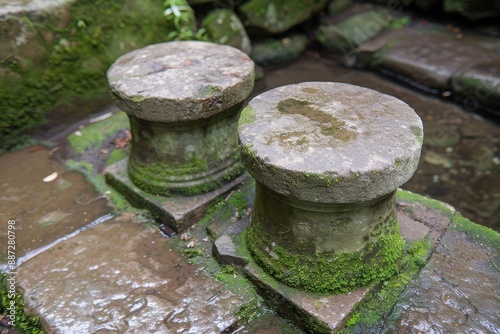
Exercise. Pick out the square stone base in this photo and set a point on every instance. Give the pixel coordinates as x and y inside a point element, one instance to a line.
<point>320,313</point>
<point>178,213</point>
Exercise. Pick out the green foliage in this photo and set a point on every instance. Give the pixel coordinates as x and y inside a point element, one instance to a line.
<point>182,15</point>
<point>25,324</point>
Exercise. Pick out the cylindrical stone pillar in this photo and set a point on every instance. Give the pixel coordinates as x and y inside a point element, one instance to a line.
<point>327,159</point>
<point>183,100</point>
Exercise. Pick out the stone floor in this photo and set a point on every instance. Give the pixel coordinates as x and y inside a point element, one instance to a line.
<point>122,275</point>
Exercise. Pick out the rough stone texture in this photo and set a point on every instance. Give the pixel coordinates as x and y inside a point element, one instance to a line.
<point>225,27</point>
<point>348,34</point>
<point>275,17</point>
<point>269,52</point>
<point>329,313</point>
<point>177,212</point>
<point>479,84</point>
<point>180,81</point>
<point>457,292</point>
<point>121,277</point>
<point>327,158</point>
<point>431,62</point>
<point>183,100</point>
<point>338,136</point>
<point>44,211</point>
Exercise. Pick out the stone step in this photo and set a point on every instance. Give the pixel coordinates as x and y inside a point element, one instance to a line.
<point>437,64</point>
<point>121,276</point>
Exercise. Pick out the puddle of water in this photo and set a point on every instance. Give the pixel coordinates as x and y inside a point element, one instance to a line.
<point>43,211</point>
<point>469,182</point>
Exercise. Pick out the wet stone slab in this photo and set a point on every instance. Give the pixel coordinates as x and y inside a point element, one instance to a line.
<point>457,292</point>
<point>120,277</point>
<point>424,59</point>
<point>178,213</point>
<point>43,211</point>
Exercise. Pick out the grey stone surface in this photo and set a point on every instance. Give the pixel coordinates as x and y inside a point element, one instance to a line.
<point>9,7</point>
<point>330,142</point>
<point>123,278</point>
<point>425,59</point>
<point>457,292</point>
<point>177,212</point>
<point>180,81</point>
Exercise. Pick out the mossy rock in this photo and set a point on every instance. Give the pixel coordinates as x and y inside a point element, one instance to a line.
<point>275,17</point>
<point>225,27</point>
<point>474,10</point>
<point>356,30</point>
<point>62,52</point>
<point>269,52</point>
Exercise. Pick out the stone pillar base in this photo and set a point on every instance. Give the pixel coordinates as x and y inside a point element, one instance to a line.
<point>179,213</point>
<point>326,312</point>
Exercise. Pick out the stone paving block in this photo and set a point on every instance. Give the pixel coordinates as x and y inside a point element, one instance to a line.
<point>457,292</point>
<point>425,60</point>
<point>479,84</point>
<point>177,212</point>
<point>43,211</point>
<point>120,277</point>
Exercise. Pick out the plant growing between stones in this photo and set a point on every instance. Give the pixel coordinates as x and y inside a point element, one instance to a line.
<point>179,12</point>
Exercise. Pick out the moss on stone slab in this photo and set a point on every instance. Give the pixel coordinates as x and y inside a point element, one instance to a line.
<point>332,273</point>
<point>369,315</point>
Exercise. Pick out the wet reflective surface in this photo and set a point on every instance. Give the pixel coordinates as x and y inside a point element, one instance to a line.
<point>43,211</point>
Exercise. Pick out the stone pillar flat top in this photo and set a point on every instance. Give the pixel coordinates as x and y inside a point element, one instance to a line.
<point>180,81</point>
<point>330,142</point>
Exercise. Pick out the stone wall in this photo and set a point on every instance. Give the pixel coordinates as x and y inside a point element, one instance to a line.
<point>55,51</point>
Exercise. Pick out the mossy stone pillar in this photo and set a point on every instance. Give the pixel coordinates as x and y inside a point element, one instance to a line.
<point>327,159</point>
<point>183,100</point>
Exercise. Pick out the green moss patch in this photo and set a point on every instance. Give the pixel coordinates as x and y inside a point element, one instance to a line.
<point>75,56</point>
<point>327,272</point>
<point>93,136</point>
<point>8,300</point>
<point>371,313</point>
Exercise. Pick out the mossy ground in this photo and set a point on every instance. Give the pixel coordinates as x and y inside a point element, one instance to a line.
<point>23,323</point>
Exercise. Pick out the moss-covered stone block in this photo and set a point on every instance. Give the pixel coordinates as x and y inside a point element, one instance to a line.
<point>271,51</point>
<point>275,17</point>
<point>223,26</point>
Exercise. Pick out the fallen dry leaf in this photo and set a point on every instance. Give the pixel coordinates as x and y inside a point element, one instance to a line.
<point>191,244</point>
<point>185,236</point>
<point>50,178</point>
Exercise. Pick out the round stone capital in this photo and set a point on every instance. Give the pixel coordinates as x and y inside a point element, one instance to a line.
<point>180,81</point>
<point>325,142</point>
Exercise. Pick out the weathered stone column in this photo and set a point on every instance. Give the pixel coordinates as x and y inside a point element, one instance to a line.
<point>327,159</point>
<point>183,100</point>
